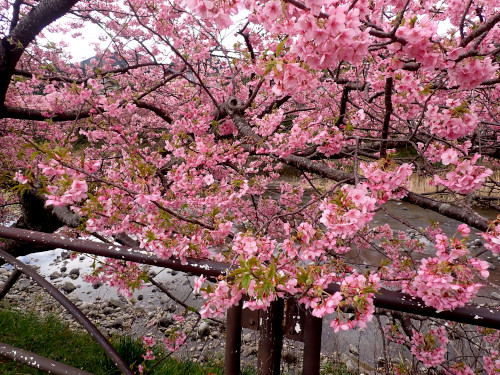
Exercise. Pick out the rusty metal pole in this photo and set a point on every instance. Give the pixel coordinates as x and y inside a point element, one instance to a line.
<point>233,341</point>
<point>72,309</point>
<point>9,283</point>
<point>312,344</point>
<point>271,339</point>
<point>205,267</point>
<point>37,361</point>
<point>387,299</point>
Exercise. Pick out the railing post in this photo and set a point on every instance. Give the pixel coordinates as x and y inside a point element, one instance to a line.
<point>271,339</point>
<point>9,283</point>
<point>312,344</point>
<point>233,340</point>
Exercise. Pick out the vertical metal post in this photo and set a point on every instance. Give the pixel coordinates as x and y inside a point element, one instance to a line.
<point>10,282</point>
<point>233,341</point>
<point>271,339</point>
<point>312,344</point>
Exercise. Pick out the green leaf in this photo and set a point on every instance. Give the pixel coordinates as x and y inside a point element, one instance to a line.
<point>34,155</point>
<point>269,66</point>
<point>237,272</point>
<point>251,262</point>
<point>272,271</point>
<point>245,281</point>
<point>280,47</point>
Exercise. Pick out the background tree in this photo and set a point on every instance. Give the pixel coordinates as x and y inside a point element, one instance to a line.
<point>180,135</point>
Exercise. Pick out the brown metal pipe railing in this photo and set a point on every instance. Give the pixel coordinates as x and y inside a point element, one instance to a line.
<point>271,335</point>
<point>471,314</point>
<point>38,362</point>
<point>9,283</point>
<point>312,343</point>
<point>197,266</point>
<point>72,309</point>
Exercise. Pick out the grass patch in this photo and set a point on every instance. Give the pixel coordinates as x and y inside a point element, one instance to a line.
<point>335,369</point>
<point>53,339</point>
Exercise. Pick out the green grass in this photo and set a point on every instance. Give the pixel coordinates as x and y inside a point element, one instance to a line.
<point>335,369</point>
<point>53,339</point>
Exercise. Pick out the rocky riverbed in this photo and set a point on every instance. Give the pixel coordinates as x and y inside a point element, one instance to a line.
<point>150,312</point>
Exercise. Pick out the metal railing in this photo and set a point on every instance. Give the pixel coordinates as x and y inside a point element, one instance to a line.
<point>269,322</point>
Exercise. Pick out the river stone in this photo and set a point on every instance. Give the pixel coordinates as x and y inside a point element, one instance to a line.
<point>165,321</point>
<point>116,303</point>
<point>23,284</point>
<point>289,356</point>
<point>164,299</point>
<point>349,363</point>
<point>204,329</point>
<point>248,351</point>
<point>68,287</point>
<point>63,269</point>
<point>117,323</point>
<point>55,275</point>
<point>108,310</point>
<point>74,273</point>
<point>247,337</point>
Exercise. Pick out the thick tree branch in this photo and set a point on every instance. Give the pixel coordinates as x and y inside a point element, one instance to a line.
<point>38,115</point>
<point>60,78</point>
<point>484,28</point>
<point>321,169</point>
<point>16,7</point>
<point>387,117</point>
<point>274,105</point>
<point>343,106</point>
<point>160,112</point>
<point>25,31</point>
<point>36,216</point>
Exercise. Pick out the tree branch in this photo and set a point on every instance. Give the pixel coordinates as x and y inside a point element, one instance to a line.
<point>25,31</point>
<point>484,28</point>
<point>387,117</point>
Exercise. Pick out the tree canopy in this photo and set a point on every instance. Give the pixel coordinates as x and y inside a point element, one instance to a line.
<point>266,134</point>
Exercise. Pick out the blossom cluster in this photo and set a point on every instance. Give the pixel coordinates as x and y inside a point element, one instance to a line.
<point>123,275</point>
<point>466,177</point>
<point>492,238</point>
<point>446,282</point>
<point>430,348</point>
<point>387,179</point>
<point>350,210</point>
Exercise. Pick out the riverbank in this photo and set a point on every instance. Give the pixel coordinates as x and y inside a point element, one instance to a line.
<point>50,337</point>
<point>150,313</point>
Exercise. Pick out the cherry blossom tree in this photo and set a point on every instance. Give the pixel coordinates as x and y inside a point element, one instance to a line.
<point>266,134</point>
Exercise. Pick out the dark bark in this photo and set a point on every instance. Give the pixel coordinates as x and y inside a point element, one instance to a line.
<point>37,115</point>
<point>387,117</point>
<point>35,216</point>
<point>23,33</point>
